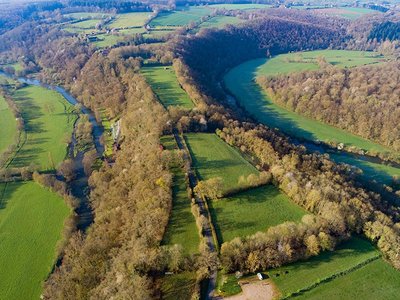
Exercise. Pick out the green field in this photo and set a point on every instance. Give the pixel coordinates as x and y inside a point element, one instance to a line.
<point>376,280</point>
<point>251,211</point>
<point>134,19</point>
<point>48,125</point>
<point>86,15</point>
<point>86,24</point>
<point>212,157</point>
<point>346,12</point>
<point>250,6</point>
<point>166,86</point>
<point>180,17</point>
<point>299,275</point>
<point>178,286</point>
<point>31,223</point>
<point>8,126</point>
<point>182,228</point>
<point>220,22</point>
<point>240,83</point>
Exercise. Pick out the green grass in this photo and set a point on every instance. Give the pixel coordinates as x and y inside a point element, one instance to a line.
<point>376,280</point>
<point>227,285</point>
<point>166,86</point>
<point>180,17</point>
<point>31,222</point>
<point>8,126</point>
<point>250,6</point>
<point>239,82</point>
<point>182,228</point>
<point>85,15</point>
<point>108,40</point>
<point>251,211</point>
<point>134,19</point>
<point>212,157</point>
<point>221,21</point>
<point>87,24</point>
<point>130,31</point>
<point>178,286</point>
<point>302,274</point>
<point>347,12</point>
<point>48,125</point>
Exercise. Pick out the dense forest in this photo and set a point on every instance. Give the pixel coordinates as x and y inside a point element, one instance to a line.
<point>363,100</point>
<point>385,31</point>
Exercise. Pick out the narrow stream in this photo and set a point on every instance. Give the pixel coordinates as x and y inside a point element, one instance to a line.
<point>79,186</point>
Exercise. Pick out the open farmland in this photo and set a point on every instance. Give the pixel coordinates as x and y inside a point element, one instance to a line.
<point>212,157</point>
<point>86,24</point>
<point>87,15</point>
<point>49,123</point>
<point>180,17</point>
<point>346,12</point>
<point>250,211</point>
<point>134,19</point>
<point>182,228</point>
<point>178,286</point>
<point>239,81</point>
<point>220,21</point>
<point>247,6</point>
<point>166,86</point>
<point>376,280</point>
<point>31,223</point>
<point>8,126</point>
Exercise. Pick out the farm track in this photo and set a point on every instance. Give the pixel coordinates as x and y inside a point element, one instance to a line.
<point>203,211</point>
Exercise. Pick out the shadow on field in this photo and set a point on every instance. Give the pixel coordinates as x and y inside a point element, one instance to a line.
<point>6,192</point>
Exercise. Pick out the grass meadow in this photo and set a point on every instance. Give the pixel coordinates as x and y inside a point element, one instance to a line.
<point>134,19</point>
<point>31,224</point>
<point>180,17</point>
<point>182,228</point>
<point>220,22</point>
<point>8,126</point>
<point>178,286</point>
<point>240,82</point>
<point>166,86</point>
<point>248,212</point>
<point>212,157</point>
<point>248,6</point>
<point>49,124</point>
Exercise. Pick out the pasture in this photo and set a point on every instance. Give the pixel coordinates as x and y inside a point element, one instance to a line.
<point>134,19</point>
<point>49,124</point>
<point>8,126</point>
<point>220,22</point>
<point>302,274</point>
<point>239,81</point>
<point>248,212</point>
<point>376,280</point>
<point>182,228</point>
<point>180,17</point>
<point>178,286</point>
<point>87,15</point>
<point>86,24</point>
<point>346,12</point>
<point>31,224</point>
<point>165,85</point>
<point>212,157</point>
<point>248,6</point>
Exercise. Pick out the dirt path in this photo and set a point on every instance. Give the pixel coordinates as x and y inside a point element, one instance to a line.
<point>255,290</point>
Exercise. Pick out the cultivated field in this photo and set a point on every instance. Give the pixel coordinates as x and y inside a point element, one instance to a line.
<point>134,19</point>
<point>254,210</point>
<point>181,227</point>
<point>300,275</point>
<point>166,86</point>
<point>239,82</point>
<point>48,125</point>
<point>180,17</point>
<point>212,157</point>
<point>8,126</point>
<point>376,280</point>
<point>31,222</point>
<point>250,6</point>
<point>220,21</point>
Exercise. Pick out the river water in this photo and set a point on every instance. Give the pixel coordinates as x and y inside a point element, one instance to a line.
<point>79,186</point>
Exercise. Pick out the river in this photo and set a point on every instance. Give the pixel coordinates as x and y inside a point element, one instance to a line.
<point>79,186</point>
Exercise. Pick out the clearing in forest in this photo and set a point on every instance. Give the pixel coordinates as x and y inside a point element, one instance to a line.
<point>182,228</point>
<point>254,210</point>
<point>220,22</point>
<point>49,122</point>
<point>178,286</point>
<point>166,86</point>
<point>134,19</point>
<point>31,224</point>
<point>212,157</point>
<point>180,17</point>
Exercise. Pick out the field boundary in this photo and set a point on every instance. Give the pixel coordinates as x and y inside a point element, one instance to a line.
<point>330,278</point>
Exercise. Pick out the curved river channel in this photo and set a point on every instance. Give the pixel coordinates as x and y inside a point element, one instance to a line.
<point>79,186</point>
